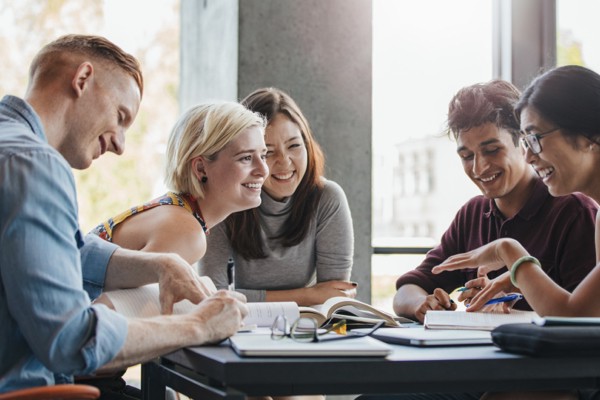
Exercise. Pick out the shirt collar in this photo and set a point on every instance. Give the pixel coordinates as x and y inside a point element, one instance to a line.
<point>22,111</point>
<point>270,206</point>
<point>538,196</point>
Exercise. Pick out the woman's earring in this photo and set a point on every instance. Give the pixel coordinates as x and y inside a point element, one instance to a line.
<point>204,179</point>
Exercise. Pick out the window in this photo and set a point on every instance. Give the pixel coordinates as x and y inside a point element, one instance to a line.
<point>423,52</point>
<point>112,183</point>
<point>578,33</point>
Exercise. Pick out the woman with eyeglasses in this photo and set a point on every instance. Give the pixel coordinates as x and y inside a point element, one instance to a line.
<point>560,122</point>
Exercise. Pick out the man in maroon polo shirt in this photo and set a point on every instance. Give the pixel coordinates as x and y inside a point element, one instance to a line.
<point>514,203</point>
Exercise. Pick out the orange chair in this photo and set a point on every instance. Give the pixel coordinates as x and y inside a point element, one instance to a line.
<point>56,392</point>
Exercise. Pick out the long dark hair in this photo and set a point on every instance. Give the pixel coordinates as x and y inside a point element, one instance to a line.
<point>567,96</point>
<point>244,227</point>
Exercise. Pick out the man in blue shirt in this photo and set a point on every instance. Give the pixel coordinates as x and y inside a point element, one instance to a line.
<point>83,93</point>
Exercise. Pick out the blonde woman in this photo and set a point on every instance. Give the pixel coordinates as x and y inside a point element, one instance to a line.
<point>215,166</point>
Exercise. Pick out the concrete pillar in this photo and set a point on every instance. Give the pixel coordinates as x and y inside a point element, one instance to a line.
<point>524,39</point>
<point>320,52</point>
<point>209,50</point>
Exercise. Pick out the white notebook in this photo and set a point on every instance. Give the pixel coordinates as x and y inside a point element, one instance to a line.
<point>475,320</point>
<point>253,345</point>
<point>142,302</point>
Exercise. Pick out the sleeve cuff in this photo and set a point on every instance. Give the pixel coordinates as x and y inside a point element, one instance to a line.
<point>109,338</point>
<point>95,255</point>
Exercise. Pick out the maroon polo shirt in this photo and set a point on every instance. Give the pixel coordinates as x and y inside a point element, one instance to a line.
<point>559,231</point>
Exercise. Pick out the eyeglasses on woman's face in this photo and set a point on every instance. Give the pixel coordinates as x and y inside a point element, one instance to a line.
<point>531,140</point>
<point>306,330</point>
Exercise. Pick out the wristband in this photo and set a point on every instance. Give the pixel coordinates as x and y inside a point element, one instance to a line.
<point>513,269</point>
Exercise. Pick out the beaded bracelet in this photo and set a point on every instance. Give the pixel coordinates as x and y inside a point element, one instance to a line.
<point>524,259</point>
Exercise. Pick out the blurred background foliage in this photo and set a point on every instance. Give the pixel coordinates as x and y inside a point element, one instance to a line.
<point>148,29</point>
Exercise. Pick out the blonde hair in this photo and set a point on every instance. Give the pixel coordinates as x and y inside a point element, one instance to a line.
<point>203,130</point>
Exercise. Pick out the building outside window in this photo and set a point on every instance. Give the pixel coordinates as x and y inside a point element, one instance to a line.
<point>420,59</point>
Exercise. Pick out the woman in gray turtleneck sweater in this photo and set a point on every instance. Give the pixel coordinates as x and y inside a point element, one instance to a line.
<point>299,244</point>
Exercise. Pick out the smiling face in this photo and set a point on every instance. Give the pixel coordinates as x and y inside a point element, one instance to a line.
<point>492,161</point>
<point>236,176</point>
<point>101,115</point>
<point>286,156</point>
<point>566,165</point>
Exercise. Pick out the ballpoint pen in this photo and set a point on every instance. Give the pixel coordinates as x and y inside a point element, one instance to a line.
<point>504,299</point>
<point>464,289</point>
<point>230,274</point>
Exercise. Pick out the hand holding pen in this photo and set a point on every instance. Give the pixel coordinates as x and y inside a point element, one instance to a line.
<point>472,288</point>
<point>493,288</point>
<point>438,300</point>
<point>505,299</point>
<point>505,302</point>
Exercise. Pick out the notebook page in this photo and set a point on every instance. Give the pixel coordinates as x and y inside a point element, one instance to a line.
<point>474,320</point>
<point>144,302</point>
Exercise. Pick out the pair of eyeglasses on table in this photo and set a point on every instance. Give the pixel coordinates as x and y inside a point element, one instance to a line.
<point>306,330</point>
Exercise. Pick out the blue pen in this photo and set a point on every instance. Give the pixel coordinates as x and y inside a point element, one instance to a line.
<point>504,299</point>
<point>464,289</point>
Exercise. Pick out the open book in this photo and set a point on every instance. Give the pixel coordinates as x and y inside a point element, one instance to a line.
<point>354,311</point>
<point>144,302</point>
<point>485,321</point>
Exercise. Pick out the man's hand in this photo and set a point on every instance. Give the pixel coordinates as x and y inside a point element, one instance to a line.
<point>439,300</point>
<point>214,319</point>
<point>178,281</point>
<point>220,316</point>
<point>176,278</point>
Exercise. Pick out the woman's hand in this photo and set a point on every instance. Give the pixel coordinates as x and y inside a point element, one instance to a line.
<point>496,287</point>
<point>487,258</point>
<point>483,287</point>
<point>323,291</point>
<point>472,288</point>
<point>486,255</point>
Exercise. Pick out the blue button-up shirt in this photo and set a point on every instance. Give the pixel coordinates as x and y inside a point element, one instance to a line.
<point>48,271</point>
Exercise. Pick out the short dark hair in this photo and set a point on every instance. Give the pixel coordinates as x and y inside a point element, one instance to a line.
<point>482,103</point>
<point>567,96</point>
<point>95,47</point>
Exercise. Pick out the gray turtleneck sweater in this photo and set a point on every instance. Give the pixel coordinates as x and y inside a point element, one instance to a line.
<point>325,254</point>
